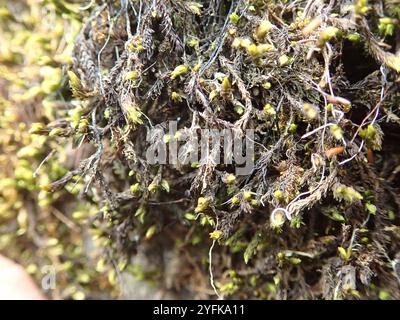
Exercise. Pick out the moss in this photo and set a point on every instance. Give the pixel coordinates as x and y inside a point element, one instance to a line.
<point>323,187</point>
<point>347,193</point>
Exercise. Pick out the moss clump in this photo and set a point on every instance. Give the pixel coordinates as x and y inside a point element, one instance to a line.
<point>325,152</point>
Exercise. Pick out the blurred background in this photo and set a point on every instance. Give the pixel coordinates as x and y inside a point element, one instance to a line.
<point>36,39</point>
